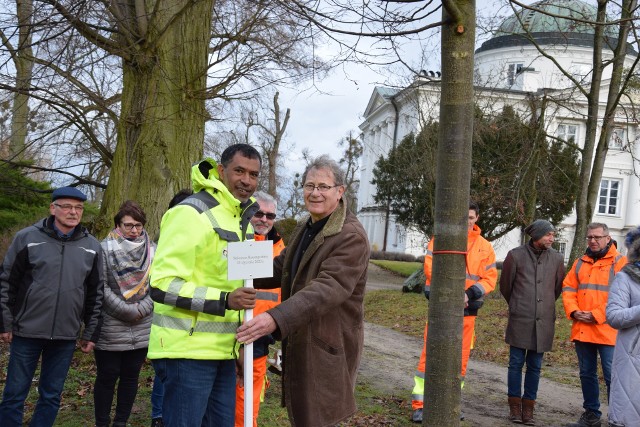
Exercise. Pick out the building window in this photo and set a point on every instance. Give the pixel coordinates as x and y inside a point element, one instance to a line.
<point>561,247</point>
<point>618,139</point>
<point>568,133</point>
<point>609,197</point>
<point>580,71</point>
<point>514,69</point>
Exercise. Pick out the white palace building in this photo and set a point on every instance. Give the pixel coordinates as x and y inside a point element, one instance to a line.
<point>510,71</point>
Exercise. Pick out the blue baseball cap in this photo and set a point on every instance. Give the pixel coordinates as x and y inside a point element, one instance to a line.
<point>68,193</point>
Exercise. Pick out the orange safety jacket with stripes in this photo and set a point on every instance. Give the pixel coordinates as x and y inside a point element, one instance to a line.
<point>482,274</point>
<point>586,288</point>
<point>266,299</point>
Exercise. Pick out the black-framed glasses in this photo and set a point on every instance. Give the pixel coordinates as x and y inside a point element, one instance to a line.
<point>596,238</point>
<point>270,216</point>
<point>128,226</point>
<point>67,208</point>
<point>323,188</point>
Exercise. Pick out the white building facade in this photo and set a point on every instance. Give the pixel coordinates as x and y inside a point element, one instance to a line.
<point>511,71</point>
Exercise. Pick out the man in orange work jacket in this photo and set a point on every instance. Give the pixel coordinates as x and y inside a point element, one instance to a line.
<point>262,222</point>
<point>482,276</point>
<point>585,292</point>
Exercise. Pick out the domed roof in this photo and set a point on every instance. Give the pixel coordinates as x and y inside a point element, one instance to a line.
<point>554,22</point>
<point>546,19</point>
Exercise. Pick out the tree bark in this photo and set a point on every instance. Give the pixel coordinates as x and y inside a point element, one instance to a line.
<point>442,380</point>
<point>273,151</point>
<point>161,128</point>
<point>24,68</point>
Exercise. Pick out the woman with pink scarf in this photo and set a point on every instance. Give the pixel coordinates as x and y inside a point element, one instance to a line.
<point>127,309</point>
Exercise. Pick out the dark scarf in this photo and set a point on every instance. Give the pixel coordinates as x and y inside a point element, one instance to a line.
<point>310,232</point>
<point>597,255</point>
<point>536,251</point>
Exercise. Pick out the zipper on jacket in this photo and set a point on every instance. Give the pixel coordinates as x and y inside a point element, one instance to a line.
<point>193,324</point>
<point>243,230</point>
<point>55,312</point>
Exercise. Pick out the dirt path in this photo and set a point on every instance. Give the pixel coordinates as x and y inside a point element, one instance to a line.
<point>390,359</point>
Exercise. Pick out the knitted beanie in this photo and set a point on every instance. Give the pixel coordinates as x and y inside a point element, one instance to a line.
<point>538,229</point>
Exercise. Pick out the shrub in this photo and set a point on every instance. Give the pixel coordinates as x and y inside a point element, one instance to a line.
<point>22,200</point>
<point>393,256</point>
<point>285,227</point>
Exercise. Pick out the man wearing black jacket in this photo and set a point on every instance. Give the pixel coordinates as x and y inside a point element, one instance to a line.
<point>50,283</point>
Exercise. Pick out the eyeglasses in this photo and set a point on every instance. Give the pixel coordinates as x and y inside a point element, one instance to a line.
<point>321,188</point>
<point>270,216</point>
<point>67,208</point>
<point>128,226</point>
<point>596,238</point>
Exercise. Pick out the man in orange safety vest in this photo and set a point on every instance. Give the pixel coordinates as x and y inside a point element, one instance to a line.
<point>481,279</point>
<point>263,225</point>
<point>585,292</point>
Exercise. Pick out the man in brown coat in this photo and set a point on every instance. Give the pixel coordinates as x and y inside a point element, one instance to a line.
<point>531,282</point>
<point>323,272</point>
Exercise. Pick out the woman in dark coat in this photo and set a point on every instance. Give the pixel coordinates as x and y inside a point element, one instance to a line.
<point>127,309</point>
<point>323,272</point>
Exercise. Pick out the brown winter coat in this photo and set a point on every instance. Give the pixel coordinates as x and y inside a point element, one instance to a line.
<point>321,319</point>
<point>531,287</point>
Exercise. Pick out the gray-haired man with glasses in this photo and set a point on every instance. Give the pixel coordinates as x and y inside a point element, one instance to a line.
<point>585,292</point>
<point>49,285</point>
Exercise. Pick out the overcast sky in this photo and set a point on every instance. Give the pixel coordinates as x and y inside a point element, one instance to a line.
<point>320,118</point>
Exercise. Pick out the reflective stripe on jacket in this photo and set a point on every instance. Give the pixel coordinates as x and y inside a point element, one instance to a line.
<point>482,274</point>
<point>586,288</point>
<point>189,273</point>
<point>268,298</point>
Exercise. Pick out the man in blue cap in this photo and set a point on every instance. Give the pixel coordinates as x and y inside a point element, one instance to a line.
<point>50,283</point>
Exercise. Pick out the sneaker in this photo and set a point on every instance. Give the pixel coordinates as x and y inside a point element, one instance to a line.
<point>587,419</point>
<point>157,422</point>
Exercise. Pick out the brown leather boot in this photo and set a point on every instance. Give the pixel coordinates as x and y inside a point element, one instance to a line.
<point>515,410</point>
<point>527,412</point>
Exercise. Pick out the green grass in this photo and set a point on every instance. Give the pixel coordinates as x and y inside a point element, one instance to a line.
<point>407,313</point>
<point>404,269</point>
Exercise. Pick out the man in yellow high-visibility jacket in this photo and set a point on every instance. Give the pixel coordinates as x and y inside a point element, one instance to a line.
<point>196,308</point>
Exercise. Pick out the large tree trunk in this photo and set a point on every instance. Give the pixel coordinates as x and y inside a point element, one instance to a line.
<point>161,129</point>
<point>442,380</point>
<point>24,67</point>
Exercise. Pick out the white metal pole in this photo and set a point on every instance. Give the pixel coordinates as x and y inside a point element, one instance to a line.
<point>248,369</point>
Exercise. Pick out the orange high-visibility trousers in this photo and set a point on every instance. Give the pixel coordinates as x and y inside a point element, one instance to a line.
<point>259,379</point>
<point>468,338</point>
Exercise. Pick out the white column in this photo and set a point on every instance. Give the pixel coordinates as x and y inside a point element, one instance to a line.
<point>632,216</point>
